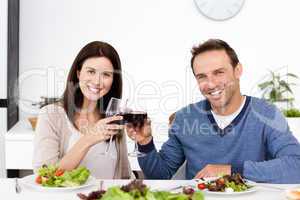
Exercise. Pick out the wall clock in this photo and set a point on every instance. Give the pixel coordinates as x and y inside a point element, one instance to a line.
<point>219,9</point>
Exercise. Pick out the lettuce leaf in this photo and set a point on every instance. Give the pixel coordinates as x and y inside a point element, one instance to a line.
<point>115,193</point>
<point>71,178</point>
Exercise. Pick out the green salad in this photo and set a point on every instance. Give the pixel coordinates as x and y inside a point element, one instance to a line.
<point>226,183</point>
<point>52,176</point>
<point>136,190</point>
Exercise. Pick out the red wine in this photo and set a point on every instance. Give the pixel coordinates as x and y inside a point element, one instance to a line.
<point>118,122</point>
<point>136,118</point>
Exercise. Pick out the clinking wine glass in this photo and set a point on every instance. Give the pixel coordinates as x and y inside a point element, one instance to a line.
<point>136,119</point>
<point>115,107</point>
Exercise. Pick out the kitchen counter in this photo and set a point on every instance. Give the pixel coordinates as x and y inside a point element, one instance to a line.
<point>21,131</point>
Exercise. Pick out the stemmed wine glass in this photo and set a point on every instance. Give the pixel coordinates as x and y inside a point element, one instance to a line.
<point>115,107</point>
<point>136,119</point>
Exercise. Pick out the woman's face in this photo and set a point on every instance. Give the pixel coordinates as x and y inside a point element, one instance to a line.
<point>95,77</point>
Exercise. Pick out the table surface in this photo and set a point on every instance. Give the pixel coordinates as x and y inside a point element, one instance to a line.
<point>266,192</point>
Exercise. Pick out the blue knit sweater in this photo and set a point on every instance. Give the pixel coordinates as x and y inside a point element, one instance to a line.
<point>257,144</point>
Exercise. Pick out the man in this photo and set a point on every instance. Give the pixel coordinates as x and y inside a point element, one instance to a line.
<point>225,133</point>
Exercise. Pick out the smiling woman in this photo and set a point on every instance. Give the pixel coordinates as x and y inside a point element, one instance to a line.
<point>95,77</point>
<point>74,131</point>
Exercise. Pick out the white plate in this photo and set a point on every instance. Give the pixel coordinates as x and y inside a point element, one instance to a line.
<point>29,181</point>
<point>206,191</point>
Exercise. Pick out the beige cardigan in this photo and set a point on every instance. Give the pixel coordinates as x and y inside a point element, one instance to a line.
<point>53,131</point>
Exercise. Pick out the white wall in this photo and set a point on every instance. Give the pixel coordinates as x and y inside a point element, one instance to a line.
<point>154,39</point>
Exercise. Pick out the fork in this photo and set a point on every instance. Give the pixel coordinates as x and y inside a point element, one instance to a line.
<point>175,188</point>
<point>17,186</point>
<point>101,185</point>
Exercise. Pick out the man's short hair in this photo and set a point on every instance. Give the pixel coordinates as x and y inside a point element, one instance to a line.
<point>215,44</point>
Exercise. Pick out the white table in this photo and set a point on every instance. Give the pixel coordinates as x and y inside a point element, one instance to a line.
<point>7,191</point>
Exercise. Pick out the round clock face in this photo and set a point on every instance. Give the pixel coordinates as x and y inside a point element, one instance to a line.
<point>219,9</point>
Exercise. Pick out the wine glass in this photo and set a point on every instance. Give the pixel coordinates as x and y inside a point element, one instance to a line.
<point>136,119</point>
<point>115,107</point>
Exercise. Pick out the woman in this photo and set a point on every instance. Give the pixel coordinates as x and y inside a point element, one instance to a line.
<point>75,131</point>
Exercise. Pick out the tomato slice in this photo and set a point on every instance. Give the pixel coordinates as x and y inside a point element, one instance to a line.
<point>38,180</point>
<point>59,172</point>
<point>201,186</point>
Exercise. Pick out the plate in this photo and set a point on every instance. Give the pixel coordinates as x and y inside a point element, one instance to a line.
<point>206,191</point>
<point>29,181</point>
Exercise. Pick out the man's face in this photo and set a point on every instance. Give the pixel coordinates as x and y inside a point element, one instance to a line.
<point>218,81</point>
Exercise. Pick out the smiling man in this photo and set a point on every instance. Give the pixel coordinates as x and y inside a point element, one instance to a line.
<point>227,132</point>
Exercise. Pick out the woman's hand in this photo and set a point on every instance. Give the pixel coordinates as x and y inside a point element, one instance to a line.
<point>142,134</point>
<point>102,130</point>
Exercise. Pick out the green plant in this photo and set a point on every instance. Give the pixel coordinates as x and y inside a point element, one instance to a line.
<point>277,88</point>
<point>292,112</point>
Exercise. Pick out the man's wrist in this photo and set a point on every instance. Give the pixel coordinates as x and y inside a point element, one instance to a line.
<point>147,147</point>
<point>146,141</point>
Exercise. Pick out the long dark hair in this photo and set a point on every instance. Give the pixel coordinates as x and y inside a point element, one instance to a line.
<point>72,99</point>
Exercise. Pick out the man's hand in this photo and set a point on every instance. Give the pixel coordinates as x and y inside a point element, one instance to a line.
<point>213,171</point>
<point>142,134</point>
